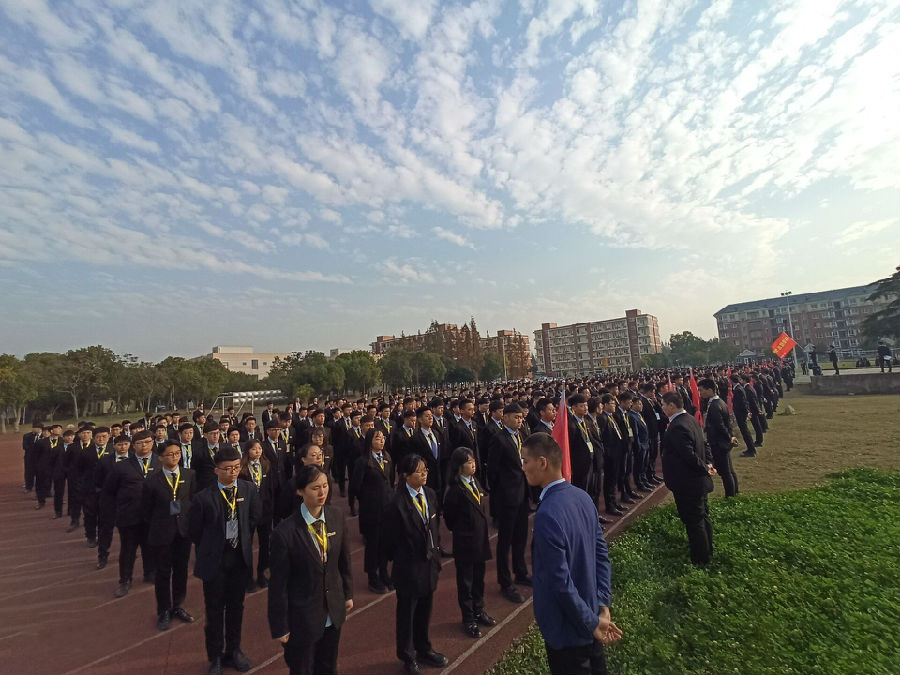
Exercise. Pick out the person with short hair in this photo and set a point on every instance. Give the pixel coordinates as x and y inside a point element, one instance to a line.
<point>372,481</point>
<point>89,488</point>
<point>222,520</point>
<point>46,455</point>
<point>717,425</point>
<point>256,469</point>
<point>28,442</point>
<point>570,562</point>
<point>106,517</point>
<point>59,472</point>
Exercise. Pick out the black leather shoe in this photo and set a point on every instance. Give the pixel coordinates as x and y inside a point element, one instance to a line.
<point>162,623</point>
<point>101,563</point>
<point>237,660</point>
<point>122,589</point>
<point>57,516</point>
<point>747,453</point>
<point>377,587</point>
<point>433,659</point>
<point>511,594</point>
<point>758,444</point>
<point>603,521</point>
<point>72,527</point>
<point>39,506</point>
<point>523,581</point>
<point>182,615</point>
<point>635,495</point>
<point>411,668</point>
<point>485,619</point>
<point>215,666</point>
<point>150,578</point>
<point>615,511</point>
<point>445,554</point>
<point>626,500</point>
<point>353,511</point>
<point>92,543</point>
<point>262,582</point>
<point>471,629</point>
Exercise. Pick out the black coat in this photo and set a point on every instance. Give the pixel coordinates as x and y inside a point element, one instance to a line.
<point>685,459</point>
<point>414,548</point>
<point>374,488</point>
<point>155,506</point>
<point>207,526</point>
<point>400,442</point>
<point>302,591</point>
<point>419,445</point>
<point>611,436</point>
<point>508,485</point>
<point>739,402</point>
<point>580,454</point>
<point>204,465</point>
<point>86,468</point>
<point>466,519</point>
<point>270,493</point>
<point>717,424</point>
<point>125,482</point>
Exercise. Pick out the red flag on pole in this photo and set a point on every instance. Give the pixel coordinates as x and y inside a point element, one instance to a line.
<point>561,435</point>
<point>695,398</point>
<point>730,393</point>
<point>783,345</point>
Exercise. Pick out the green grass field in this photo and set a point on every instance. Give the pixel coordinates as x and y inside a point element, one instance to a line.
<point>805,578</point>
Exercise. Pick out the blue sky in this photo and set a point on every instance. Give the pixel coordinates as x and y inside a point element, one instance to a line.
<point>300,174</point>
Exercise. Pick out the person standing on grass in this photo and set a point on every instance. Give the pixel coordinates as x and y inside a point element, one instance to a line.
<point>687,471</point>
<point>570,564</point>
<point>717,423</point>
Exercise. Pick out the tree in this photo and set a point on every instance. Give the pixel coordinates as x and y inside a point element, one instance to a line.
<point>16,390</point>
<point>395,368</point>
<point>458,374</point>
<point>43,369</point>
<point>427,368</point>
<point>360,370</point>
<point>83,374</point>
<point>886,321</point>
<point>492,368</point>
<point>313,369</point>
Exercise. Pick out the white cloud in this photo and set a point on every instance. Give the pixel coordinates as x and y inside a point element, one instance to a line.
<point>120,135</point>
<point>405,272</point>
<point>452,237</point>
<point>411,18</point>
<point>868,229</point>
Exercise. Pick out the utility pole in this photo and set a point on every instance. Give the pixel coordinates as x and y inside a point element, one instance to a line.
<point>787,296</point>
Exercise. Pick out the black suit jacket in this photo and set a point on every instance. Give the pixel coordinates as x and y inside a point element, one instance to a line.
<point>718,425</point>
<point>419,445</point>
<point>125,483</point>
<point>303,592</point>
<point>508,485</point>
<point>400,442</point>
<point>739,401</point>
<point>207,526</point>
<point>581,456</point>
<point>155,506</point>
<point>86,468</point>
<point>752,399</point>
<point>204,465</point>
<point>466,519</point>
<point>611,436</point>
<point>684,457</point>
<point>414,548</point>
<point>374,488</point>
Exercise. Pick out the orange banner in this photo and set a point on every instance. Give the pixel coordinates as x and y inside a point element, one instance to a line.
<point>783,345</point>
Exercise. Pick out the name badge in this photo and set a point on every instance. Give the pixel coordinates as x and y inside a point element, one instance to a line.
<point>590,447</point>
<point>657,417</point>
<point>174,508</point>
<point>231,529</point>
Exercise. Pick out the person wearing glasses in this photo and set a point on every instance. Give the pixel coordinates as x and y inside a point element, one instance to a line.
<point>411,538</point>
<point>223,517</point>
<point>125,485</point>
<point>166,507</point>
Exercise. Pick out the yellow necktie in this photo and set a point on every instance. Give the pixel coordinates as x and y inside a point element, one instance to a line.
<point>420,503</point>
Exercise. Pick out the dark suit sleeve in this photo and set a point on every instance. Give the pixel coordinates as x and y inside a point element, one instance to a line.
<point>390,530</point>
<point>683,445</point>
<point>255,514</point>
<point>344,562</point>
<point>604,585</point>
<point>147,501</point>
<point>196,520</point>
<point>279,573</point>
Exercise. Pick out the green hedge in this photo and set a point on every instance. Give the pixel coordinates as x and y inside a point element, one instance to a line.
<point>802,582</point>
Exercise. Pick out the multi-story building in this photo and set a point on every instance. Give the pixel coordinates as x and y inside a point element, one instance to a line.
<point>824,318</point>
<point>464,345</point>
<point>244,359</point>
<point>584,348</point>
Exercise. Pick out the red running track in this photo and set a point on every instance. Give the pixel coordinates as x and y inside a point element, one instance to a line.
<point>58,614</point>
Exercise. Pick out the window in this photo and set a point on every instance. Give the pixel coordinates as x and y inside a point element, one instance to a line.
<point>254,364</point>
<point>244,363</point>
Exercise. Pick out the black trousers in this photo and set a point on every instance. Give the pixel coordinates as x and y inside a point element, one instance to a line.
<point>757,420</point>
<point>43,483</point>
<point>28,459</point>
<point>652,453</point>
<point>171,573</point>
<point>413,624</point>
<point>512,534</point>
<point>470,588</point>
<point>130,538</point>
<point>59,491</point>
<point>741,421</point>
<point>374,563</point>
<point>90,502</point>
<point>339,470</point>
<point>106,523</point>
<point>722,463</point>
<point>263,534</point>
<point>581,660</point>
<point>640,461</point>
<point>223,598</point>
<point>313,658</point>
<point>74,499</point>
<point>693,509</point>
<point>611,466</point>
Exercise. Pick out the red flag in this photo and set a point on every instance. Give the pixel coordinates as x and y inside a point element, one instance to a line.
<point>561,435</point>
<point>783,345</point>
<point>730,393</point>
<point>695,398</point>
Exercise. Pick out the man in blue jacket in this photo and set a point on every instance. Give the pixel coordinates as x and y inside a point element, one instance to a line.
<point>570,566</point>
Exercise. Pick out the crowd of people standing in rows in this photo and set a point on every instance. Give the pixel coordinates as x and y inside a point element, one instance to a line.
<point>172,483</point>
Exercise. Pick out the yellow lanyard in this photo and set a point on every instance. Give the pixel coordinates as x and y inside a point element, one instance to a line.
<point>144,465</point>
<point>232,503</point>
<point>472,489</point>
<point>420,504</point>
<point>321,538</point>
<point>284,435</point>
<point>256,472</point>
<point>387,428</point>
<point>101,452</point>
<point>380,460</point>
<point>518,442</point>
<point>615,425</point>
<point>409,432</point>
<point>584,430</point>
<point>174,486</point>
<point>53,442</point>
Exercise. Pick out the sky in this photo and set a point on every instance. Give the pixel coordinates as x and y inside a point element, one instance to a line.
<point>296,174</point>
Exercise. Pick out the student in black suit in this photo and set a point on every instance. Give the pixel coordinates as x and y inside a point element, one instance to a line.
<point>717,424</point>
<point>613,452</point>
<point>757,418</point>
<point>353,440</point>
<point>250,430</point>
<point>166,506</point>
<point>125,483</point>
<point>45,455</point>
<point>28,443</point>
<point>466,519</point>
<point>651,413</point>
<point>106,517</point>
<point>582,445</point>
<point>203,461</point>
<point>276,451</point>
<point>188,443</point>
<point>269,413</point>
<point>464,434</point>
<point>426,444</point>
<point>256,469</point>
<point>741,412</point>
<point>687,468</point>
<point>73,464</point>
<point>90,489</point>
<point>509,502</point>
<point>372,481</point>
<point>401,436</point>
<point>222,520</point>
<point>311,589</point>
<point>411,538</point>
<point>385,424</point>
<point>58,475</point>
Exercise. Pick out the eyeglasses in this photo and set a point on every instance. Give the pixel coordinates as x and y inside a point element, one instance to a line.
<point>228,469</point>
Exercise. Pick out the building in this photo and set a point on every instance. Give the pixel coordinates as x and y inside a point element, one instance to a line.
<point>244,359</point>
<point>464,345</point>
<point>825,318</point>
<point>585,348</point>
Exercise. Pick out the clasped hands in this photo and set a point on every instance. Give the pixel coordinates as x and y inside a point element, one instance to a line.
<point>607,631</point>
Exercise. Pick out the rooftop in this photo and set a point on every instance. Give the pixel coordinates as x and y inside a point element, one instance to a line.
<point>799,298</point>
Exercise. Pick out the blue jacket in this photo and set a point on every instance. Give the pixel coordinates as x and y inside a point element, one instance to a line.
<point>643,433</point>
<point>570,567</point>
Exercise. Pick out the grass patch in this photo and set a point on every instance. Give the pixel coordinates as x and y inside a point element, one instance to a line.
<point>802,582</point>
